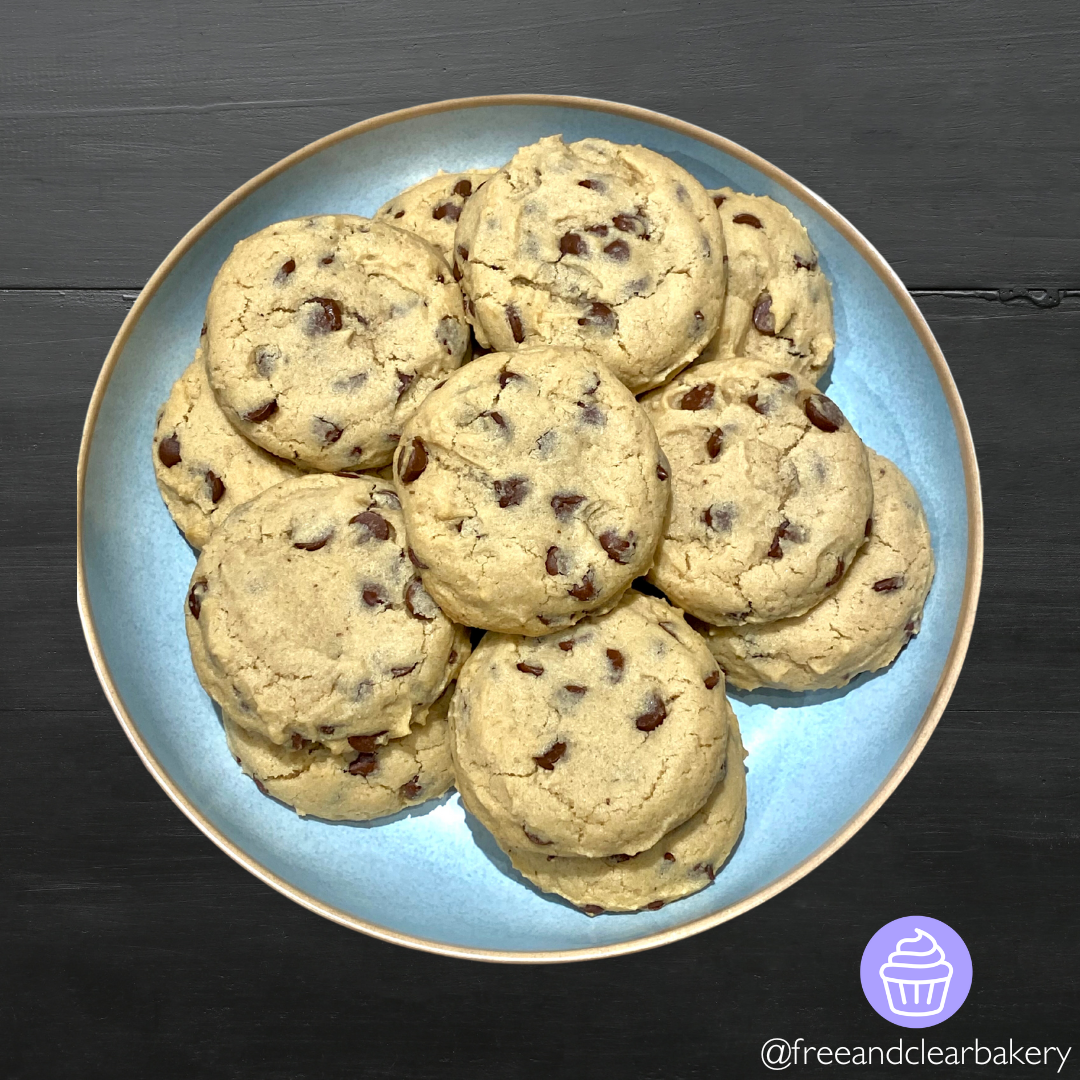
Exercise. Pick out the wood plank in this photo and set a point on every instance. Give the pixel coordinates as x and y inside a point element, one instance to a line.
<point>946,132</point>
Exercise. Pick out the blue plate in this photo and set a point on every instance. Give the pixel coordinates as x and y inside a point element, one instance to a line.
<point>820,763</point>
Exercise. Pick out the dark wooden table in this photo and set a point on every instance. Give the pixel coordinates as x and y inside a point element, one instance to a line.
<point>948,133</point>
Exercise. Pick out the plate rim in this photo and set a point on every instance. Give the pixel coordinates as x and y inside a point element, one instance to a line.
<point>939,699</point>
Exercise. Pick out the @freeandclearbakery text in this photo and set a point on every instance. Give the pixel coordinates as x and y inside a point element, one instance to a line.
<point>779,1054</point>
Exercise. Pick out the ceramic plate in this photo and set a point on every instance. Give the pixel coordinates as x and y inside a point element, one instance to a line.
<point>820,763</point>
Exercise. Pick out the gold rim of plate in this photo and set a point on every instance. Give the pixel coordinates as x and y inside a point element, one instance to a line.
<point>942,692</point>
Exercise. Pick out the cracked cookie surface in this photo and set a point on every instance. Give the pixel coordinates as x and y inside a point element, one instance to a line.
<point>431,208</point>
<point>306,618</point>
<point>533,489</point>
<point>204,467</point>
<point>778,303</point>
<point>682,862</point>
<point>771,492</point>
<point>864,624</point>
<point>612,249</point>
<point>594,741</point>
<point>370,781</point>
<point>325,333</point>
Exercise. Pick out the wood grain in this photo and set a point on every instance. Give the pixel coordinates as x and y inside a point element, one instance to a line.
<point>133,948</point>
<point>946,132</point>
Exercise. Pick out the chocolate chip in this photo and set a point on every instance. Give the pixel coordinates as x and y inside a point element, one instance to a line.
<point>747,219</point>
<point>463,188</point>
<point>572,688</point>
<point>800,265</point>
<point>718,518</point>
<point>869,527</point>
<point>823,413</point>
<point>513,317</point>
<point>411,788</point>
<point>620,858</point>
<point>593,909</point>
<point>325,315</point>
<point>168,451</point>
<point>265,360</point>
<point>654,715</point>
<point>888,584</point>
<point>715,442</point>
<point>600,316</point>
<point>315,545</point>
<point>327,729</point>
<point>591,414</point>
<point>706,869</point>
<point>597,230</point>
<point>326,260</point>
<point>373,526</point>
<point>661,472</point>
<point>363,765</point>
<point>776,551</point>
<point>419,604</point>
<point>412,466</point>
<point>565,505</point>
<point>630,223</point>
<point>405,669</point>
<point>764,319</point>
<point>195,597</point>
<point>351,474</point>
<point>399,214</point>
<point>448,210</point>
<point>286,269</point>
<point>552,563</point>
<point>495,417</point>
<point>547,759</point>
<point>619,548</point>
<point>617,662</point>
<point>586,588</point>
<point>784,377</point>
<point>530,669</point>
<point>668,857</point>
<point>511,492</point>
<point>700,625</point>
<point>415,561</point>
<point>536,839</point>
<point>711,680</point>
<point>374,596</point>
<point>697,398</point>
<point>327,430</point>
<point>505,375</point>
<point>909,630</point>
<point>837,575</point>
<point>463,253</point>
<point>404,379</point>
<point>761,407</point>
<point>456,270</point>
<point>573,243</point>
<point>263,412</point>
<point>619,250</point>
<point>668,628</point>
<point>655,905</point>
<point>391,496</point>
<point>596,185</point>
<point>365,744</point>
<point>567,645</point>
<point>260,785</point>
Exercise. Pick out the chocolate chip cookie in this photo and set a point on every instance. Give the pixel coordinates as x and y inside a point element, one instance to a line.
<point>864,624</point>
<point>595,741</point>
<point>612,249</point>
<point>680,863</point>
<point>325,333</point>
<point>370,781</point>
<point>771,492</point>
<point>431,208</point>
<point>533,490</point>
<point>306,617</point>
<point>778,305</point>
<point>203,465</point>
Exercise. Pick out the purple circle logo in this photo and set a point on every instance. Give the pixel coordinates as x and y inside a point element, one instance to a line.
<point>916,971</point>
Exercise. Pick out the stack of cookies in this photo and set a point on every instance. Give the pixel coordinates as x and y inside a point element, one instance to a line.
<point>401,429</point>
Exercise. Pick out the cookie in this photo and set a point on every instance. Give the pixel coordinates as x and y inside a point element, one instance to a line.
<point>771,492</point>
<point>778,305</point>
<point>369,782</point>
<point>595,741</point>
<point>533,490</point>
<point>683,862</point>
<point>306,618</point>
<point>203,465</point>
<point>862,626</point>
<point>431,208</point>
<point>612,249</point>
<point>325,333</point>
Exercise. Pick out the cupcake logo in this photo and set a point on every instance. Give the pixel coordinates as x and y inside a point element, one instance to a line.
<point>916,971</point>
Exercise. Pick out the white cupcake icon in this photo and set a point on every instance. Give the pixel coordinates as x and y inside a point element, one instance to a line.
<point>916,976</point>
